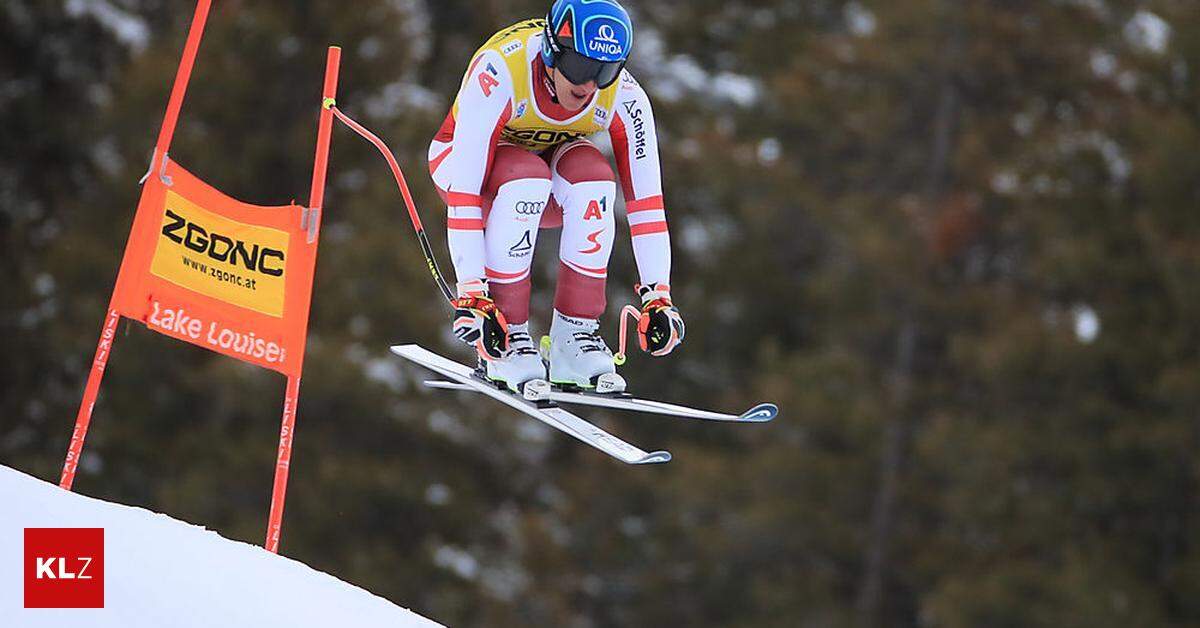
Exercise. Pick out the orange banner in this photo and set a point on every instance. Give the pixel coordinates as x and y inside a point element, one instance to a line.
<point>213,271</point>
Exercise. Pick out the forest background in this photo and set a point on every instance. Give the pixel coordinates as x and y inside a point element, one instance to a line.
<point>957,241</point>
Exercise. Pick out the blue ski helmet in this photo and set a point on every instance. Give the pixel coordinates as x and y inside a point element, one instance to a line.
<point>587,40</point>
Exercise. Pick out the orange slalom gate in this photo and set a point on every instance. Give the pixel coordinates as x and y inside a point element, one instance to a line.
<point>207,269</point>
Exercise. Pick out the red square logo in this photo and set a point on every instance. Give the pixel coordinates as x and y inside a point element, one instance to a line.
<point>64,568</point>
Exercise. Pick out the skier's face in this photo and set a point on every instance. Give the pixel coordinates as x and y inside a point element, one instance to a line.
<point>571,96</point>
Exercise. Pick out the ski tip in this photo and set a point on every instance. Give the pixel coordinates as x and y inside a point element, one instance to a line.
<point>403,350</point>
<point>761,413</point>
<point>655,457</point>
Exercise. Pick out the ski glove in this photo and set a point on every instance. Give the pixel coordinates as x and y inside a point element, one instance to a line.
<point>478,322</point>
<point>660,328</point>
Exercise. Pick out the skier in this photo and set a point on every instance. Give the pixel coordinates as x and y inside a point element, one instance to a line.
<point>513,156</point>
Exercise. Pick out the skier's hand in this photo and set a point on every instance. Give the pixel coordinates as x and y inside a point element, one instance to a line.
<point>660,328</point>
<point>478,322</point>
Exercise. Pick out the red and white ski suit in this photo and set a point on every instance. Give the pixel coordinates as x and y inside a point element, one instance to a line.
<point>509,160</point>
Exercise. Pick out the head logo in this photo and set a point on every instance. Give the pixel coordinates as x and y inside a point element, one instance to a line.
<point>64,567</point>
<point>521,106</point>
<point>522,247</point>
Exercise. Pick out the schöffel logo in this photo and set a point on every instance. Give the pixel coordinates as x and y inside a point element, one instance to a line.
<point>64,568</point>
<point>639,128</point>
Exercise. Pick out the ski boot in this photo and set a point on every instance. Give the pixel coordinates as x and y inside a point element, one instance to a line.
<point>578,357</point>
<point>521,367</point>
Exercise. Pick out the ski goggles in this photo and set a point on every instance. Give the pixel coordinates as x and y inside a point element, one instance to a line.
<point>580,69</point>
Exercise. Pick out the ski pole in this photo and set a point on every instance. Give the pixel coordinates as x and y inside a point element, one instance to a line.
<point>627,312</point>
<point>426,249</point>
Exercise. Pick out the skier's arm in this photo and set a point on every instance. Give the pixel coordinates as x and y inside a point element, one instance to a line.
<point>635,146</point>
<point>484,106</point>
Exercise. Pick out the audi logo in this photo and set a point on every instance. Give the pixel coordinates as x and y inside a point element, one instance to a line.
<point>530,208</point>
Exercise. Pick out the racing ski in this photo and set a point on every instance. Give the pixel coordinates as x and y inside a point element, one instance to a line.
<point>544,410</point>
<point>760,413</point>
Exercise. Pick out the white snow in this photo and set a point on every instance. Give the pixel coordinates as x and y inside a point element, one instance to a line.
<point>1148,32</point>
<point>674,77</point>
<point>1087,323</point>
<point>769,150</point>
<point>128,28</point>
<point>859,19</point>
<point>400,97</point>
<point>162,572</point>
<point>1104,63</point>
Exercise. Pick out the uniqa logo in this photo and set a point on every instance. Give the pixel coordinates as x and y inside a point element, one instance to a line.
<point>606,34</point>
<point>605,41</point>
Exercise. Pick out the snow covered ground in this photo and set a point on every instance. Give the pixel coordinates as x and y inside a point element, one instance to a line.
<point>162,572</point>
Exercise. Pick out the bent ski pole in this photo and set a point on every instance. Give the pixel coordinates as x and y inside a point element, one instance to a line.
<point>426,249</point>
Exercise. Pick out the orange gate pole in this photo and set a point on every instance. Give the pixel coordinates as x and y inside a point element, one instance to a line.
<point>313,220</point>
<point>109,333</point>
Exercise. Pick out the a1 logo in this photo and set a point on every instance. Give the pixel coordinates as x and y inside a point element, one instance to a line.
<point>595,210</point>
<point>64,567</point>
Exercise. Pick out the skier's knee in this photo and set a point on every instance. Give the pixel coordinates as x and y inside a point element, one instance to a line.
<point>583,162</point>
<point>512,164</point>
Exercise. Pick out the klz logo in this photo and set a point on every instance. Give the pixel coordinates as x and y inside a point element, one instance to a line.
<point>64,567</point>
<point>522,248</point>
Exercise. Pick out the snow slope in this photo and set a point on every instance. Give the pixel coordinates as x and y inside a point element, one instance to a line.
<point>162,572</point>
